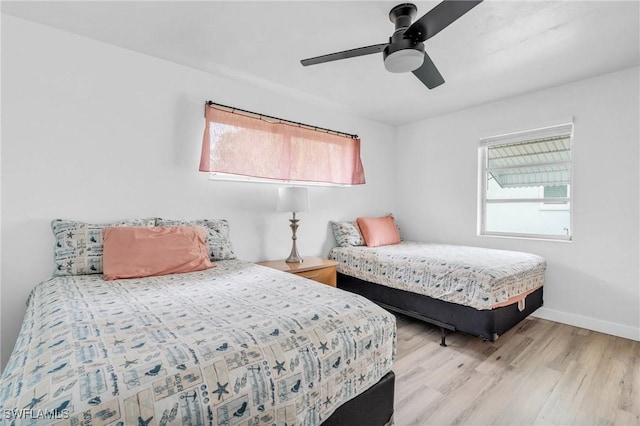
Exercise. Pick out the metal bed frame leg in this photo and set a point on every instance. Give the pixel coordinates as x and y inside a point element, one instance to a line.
<point>443,326</point>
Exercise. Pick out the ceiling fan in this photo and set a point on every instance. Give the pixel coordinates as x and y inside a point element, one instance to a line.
<point>405,50</point>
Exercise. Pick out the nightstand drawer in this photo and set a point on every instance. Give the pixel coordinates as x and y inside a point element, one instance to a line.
<point>312,268</point>
<point>324,275</point>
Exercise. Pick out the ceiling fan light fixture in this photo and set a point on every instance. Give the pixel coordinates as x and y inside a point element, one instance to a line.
<point>404,60</point>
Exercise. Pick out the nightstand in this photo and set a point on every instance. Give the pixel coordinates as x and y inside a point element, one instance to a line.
<point>313,268</point>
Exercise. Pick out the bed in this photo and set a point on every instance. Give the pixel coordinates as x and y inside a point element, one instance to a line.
<point>234,344</point>
<point>479,291</point>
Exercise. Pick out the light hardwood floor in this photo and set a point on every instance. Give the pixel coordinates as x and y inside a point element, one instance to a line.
<point>538,373</point>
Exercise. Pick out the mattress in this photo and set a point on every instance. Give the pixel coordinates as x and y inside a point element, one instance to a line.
<point>471,276</point>
<point>236,344</point>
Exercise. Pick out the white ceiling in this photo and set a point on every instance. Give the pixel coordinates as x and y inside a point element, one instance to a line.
<point>497,50</point>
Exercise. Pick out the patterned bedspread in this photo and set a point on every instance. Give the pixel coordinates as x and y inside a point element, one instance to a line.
<point>236,344</point>
<point>473,276</point>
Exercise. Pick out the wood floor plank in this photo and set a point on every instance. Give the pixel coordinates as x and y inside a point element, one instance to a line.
<point>626,418</point>
<point>451,410</point>
<point>541,422</point>
<point>410,409</point>
<point>630,385</point>
<point>408,384</point>
<point>546,347</point>
<point>539,373</point>
<point>496,363</point>
<point>528,399</point>
<point>606,392</point>
<point>563,406</point>
<point>485,409</point>
<point>453,372</point>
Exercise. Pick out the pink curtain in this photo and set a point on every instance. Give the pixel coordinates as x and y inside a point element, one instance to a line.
<point>242,145</point>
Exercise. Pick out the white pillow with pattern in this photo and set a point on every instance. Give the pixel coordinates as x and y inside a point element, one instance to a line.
<point>78,245</point>
<point>218,235</point>
<point>347,233</point>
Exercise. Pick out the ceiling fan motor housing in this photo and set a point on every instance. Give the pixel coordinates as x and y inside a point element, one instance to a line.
<point>402,54</point>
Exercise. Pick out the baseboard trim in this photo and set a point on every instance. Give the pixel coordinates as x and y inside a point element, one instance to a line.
<point>615,329</point>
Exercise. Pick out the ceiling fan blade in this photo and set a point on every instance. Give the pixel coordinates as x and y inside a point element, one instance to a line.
<point>438,19</point>
<point>361,51</point>
<point>428,73</point>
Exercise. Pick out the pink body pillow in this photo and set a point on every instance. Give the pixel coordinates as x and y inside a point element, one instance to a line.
<point>133,252</point>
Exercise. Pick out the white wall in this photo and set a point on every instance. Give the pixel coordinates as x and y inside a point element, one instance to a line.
<point>592,282</point>
<point>96,133</point>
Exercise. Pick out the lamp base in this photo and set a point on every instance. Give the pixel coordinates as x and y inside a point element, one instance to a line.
<point>294,256</point>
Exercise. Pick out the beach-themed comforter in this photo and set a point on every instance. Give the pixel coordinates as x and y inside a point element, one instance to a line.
<point>236,344</point>
<point>472,276</point>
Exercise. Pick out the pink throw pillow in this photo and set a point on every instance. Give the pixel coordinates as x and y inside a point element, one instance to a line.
<point>134,252</point>
<point>378,231</point>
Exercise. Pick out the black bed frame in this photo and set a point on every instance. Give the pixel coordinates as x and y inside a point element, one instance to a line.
<point>486,324</point>
<point>373,407</point>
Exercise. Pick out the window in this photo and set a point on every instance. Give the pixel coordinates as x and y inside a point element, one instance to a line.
<point>238,146</point>
<point>525,184</point>
<point>560,192</point>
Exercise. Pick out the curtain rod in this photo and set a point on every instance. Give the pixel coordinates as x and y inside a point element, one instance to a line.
<point>234,109</point>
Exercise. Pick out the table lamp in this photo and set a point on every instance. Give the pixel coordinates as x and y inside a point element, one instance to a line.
<point>293,199</point>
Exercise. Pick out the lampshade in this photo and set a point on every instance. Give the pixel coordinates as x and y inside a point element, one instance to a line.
<point>404,60</point>
<point>293,199</point>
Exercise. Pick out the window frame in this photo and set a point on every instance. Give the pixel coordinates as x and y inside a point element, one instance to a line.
<point>558,205</point>
<point>520,137</point>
